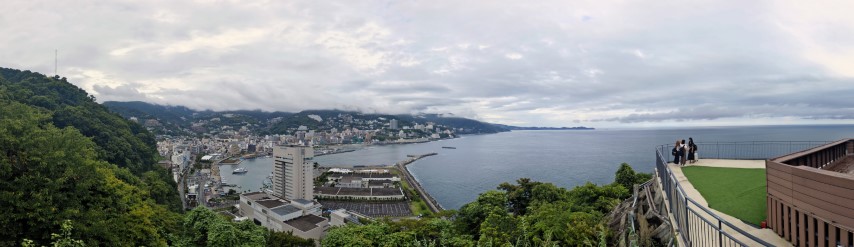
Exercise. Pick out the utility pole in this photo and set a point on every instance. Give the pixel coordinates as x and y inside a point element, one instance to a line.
<point>55,61</point>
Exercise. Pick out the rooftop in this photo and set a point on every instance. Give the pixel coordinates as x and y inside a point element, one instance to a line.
<point>358,191</point>
<point>254,196</point>
<point>286,209</point>
<point>271,203</point>
<point>302,201</point>
<point>305,223</point>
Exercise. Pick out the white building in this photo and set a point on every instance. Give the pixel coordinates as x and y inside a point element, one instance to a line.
<point>300,217</point>
<point>392,124</point>
<point>293,172</point>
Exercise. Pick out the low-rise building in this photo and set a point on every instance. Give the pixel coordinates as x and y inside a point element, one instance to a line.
<point>300,217</point>
<point>366,194</point>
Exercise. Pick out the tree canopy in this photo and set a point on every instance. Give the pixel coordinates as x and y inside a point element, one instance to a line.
<point>527,213</point>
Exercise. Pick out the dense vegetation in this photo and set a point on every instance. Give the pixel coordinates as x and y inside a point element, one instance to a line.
<point>523,214</point>
<point>67,163</point>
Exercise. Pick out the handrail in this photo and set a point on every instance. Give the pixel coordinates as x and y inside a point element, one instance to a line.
<point>681,192</point>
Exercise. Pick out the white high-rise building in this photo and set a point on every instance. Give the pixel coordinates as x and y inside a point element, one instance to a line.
<point>392,124</point>
<point>293,170</point>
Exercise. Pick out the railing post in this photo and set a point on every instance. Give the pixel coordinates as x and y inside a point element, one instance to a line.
<point>718,147</point>
<point>686,216</point>
<point>720,234</point>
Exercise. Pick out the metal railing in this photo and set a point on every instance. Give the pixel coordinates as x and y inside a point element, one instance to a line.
<point>696,223</point>
<point>754,150</point>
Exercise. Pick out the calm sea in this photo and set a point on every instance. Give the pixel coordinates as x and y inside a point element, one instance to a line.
<point>565,158</point>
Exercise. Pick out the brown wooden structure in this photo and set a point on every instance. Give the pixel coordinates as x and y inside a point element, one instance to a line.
<point>810,202</point>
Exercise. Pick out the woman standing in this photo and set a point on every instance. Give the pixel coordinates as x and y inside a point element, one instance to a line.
<point>692,150</point>
<point>675,153</point>
<point>692,156</point>
<point>683,149</point>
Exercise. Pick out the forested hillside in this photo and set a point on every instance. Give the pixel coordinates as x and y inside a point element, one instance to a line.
<point>70,167</point>
<point>176,120</point>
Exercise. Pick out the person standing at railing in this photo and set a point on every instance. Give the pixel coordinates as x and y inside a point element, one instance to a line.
<point>692,150</point>
<point>683,148</point>
<point>676,154</point>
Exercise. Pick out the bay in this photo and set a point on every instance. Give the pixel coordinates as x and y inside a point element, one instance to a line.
<point>566,158</point>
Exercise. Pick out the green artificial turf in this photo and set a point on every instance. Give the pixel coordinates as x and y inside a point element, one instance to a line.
<point>737,192</point>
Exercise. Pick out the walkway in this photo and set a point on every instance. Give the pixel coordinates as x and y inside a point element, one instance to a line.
<point>765,234</point>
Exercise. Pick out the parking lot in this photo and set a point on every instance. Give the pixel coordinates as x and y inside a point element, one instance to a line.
<point>373,209</point>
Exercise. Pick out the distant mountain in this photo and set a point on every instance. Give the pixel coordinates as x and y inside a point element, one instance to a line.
<point>176,120</point>
<point>508,127</point>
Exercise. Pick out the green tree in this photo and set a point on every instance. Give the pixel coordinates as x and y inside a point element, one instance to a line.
<point>627,177</point>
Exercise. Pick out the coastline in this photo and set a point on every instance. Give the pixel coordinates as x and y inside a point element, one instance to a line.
<point>434,205</point>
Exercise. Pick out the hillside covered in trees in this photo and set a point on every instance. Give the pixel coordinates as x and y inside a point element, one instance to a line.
<point>69,165</point>
<point>178,120</point>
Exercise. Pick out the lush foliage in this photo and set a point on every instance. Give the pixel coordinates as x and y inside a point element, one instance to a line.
<point>65,157</point>
<point>527,213</point>
<point>739,192</point>
<point>203,227</point>
<point>49,175</point>
<point>117,140</point>
<point>627,177</point>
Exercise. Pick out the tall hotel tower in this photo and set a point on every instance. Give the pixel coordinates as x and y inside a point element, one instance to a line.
<point>293,172</point>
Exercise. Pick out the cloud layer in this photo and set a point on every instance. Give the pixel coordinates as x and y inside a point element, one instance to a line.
<point>547,63</point>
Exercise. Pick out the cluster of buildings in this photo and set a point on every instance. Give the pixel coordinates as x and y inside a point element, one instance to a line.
<point>289,206</point>
<point>368,185</point>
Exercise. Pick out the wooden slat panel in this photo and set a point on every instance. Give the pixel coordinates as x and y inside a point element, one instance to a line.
<point>769,211</point>
<point>821,234</point>
<point>772,217</point>
<point>778,166</point>
<point>786,197</point>
<point>779,183</point>
<point>829,206</point>
<point>810,230</point>
<point>833,196</point>
<point>843,237</point>
<point>787,214</point>
<point>828,177</point>
<point>779,174</point>
<point>820,212</point>
<point>801,233</point>
<point>831,234</point>
<point>822,193</point>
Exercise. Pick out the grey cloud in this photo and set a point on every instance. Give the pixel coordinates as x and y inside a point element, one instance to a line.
<point>546,63</point>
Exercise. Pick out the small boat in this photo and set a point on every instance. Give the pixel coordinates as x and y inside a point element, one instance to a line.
<point>449,147</point>
<point>240,170</point>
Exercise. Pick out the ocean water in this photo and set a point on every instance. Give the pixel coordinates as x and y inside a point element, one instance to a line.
<point>566,158</point>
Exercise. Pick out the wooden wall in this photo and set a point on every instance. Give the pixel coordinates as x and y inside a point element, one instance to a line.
<point>809,206</point>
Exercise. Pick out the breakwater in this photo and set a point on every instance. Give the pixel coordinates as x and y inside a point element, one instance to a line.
<point>431,202</point>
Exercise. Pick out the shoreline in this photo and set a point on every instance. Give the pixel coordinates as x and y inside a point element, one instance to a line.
<point>431,202</point>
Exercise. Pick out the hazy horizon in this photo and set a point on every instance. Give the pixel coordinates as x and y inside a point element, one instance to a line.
<point>553,63</point>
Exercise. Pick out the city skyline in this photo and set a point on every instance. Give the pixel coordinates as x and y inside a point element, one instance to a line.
<point>704,63</point>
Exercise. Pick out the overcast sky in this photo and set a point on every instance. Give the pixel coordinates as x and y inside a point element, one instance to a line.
<point>532,63</point>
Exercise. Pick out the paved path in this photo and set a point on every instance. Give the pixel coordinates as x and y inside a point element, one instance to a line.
<point>765,234</point>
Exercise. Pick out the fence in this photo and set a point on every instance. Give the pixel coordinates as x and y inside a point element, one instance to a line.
<point>699,226</point>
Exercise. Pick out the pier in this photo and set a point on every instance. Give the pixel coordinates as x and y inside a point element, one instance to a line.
<point>431,203</point>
